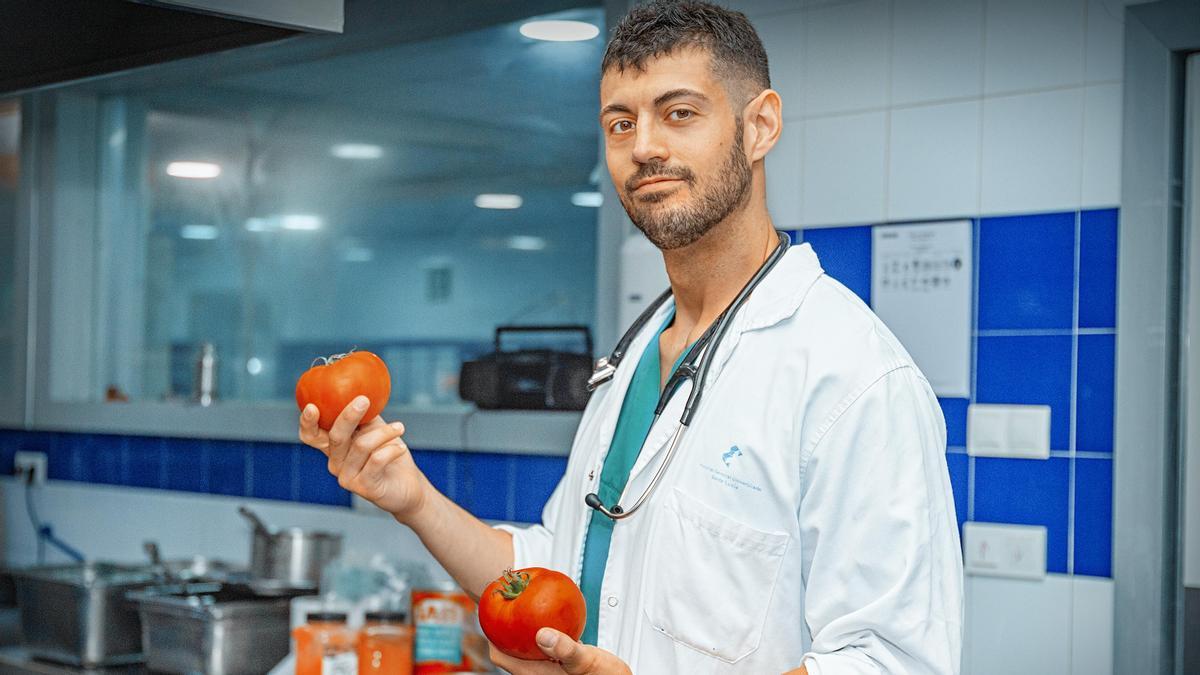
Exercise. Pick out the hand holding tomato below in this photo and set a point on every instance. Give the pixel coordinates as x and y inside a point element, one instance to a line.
<point>567,657</point>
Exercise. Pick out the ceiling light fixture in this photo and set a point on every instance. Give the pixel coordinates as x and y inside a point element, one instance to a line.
<point>523,242</point>
<point>589,199</point>
<point>300,221</point>
<point>198,232</point>
<point>193,169</point>
<point>356,151</point>
<point>498,201</point>
<point>559,31</point>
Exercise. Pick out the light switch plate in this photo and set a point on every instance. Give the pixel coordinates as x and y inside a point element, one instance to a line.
<point>1000,550</point>
<point>1008,431</point>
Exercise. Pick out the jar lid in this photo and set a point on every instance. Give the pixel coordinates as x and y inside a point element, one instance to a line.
<point>327,617</point>
<point>393,616</point>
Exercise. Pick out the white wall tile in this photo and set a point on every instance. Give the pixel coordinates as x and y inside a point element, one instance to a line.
<point>933,161</point>
<point>843,169</point>
<point>845,57</point>
<point>1018,626</point>
<point>1031,152</point>
<point>937,49</point>
<point>1092,626</point>
<point>1032,44</point>
<point>1105,40</point>
<point>783,168</point>
<point>782,37</point>
<point>1102,145</point>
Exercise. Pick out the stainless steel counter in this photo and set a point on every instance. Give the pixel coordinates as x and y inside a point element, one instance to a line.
<point>16,661</point>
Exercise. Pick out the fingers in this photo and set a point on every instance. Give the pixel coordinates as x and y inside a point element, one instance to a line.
<point>311,434</point>
<point>365,446</point>
<point>576,658</point>
<point>342,431</point>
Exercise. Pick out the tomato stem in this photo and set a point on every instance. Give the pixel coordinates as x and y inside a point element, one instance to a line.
<point>333,358</point>
<point>514,584</point>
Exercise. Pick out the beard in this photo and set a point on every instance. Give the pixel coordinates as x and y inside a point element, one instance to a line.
<point>671,228</point>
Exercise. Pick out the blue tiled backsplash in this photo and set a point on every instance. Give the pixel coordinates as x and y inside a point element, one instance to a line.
<point>1045,334</point>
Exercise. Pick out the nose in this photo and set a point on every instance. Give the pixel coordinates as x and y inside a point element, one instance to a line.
<point>649,144</point>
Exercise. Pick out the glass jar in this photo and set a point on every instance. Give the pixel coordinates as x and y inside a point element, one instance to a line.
<point>385,644</point>
<point>325,645</point>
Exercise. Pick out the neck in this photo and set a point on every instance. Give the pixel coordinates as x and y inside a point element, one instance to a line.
<point>708,274</point>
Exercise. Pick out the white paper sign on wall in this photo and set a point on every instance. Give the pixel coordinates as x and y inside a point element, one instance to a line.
<point>921,286</point>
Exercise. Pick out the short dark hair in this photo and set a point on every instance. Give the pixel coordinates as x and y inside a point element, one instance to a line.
<point>661,27</point>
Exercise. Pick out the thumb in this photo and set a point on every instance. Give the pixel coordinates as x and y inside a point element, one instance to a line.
<point>571,655</point>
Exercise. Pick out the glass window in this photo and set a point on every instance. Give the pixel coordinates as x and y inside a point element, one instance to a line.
<point>402,198</point>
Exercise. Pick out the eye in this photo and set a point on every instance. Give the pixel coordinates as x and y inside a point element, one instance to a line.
<point>620,126</point>
<point>680,114</point>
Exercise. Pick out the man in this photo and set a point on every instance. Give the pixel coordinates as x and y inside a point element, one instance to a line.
<point>807,523</point>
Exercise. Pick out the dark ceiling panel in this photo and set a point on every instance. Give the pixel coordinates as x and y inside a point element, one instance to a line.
<point>44,43</point>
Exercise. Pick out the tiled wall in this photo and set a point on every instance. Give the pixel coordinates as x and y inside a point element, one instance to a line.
<point>1044,333</point>
<point>492,486</point>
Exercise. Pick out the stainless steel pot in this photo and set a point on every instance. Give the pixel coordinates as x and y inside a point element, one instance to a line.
<point>77,614</point>
<point>213,628</point>
<point>291,558</point>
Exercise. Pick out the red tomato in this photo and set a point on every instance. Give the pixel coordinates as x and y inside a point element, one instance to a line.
<point>514,607</point>
<point>335,383</point>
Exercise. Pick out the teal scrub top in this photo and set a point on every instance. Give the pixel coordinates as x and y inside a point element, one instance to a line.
<point>633,425</point>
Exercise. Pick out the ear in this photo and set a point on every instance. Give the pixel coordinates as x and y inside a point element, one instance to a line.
<point>763,122</point>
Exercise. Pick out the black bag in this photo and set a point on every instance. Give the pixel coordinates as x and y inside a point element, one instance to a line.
<point>529,379</point>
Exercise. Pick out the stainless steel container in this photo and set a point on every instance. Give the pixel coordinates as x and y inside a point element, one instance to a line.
<point>289,558</point>
<point>78,614</point>
<point>213,628</point>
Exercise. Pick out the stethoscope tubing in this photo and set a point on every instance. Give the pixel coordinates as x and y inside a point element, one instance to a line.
<point>695,367</point>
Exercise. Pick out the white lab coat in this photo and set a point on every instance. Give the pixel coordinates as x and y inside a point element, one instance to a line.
<point>807,516</point>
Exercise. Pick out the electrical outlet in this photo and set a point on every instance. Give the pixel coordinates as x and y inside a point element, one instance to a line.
<point>1002,550</point>
<point>26,462</point>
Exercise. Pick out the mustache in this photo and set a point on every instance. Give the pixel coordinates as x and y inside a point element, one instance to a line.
<point>659,170</point>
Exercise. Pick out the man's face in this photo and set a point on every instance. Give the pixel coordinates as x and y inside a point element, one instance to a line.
<point>674,147</point>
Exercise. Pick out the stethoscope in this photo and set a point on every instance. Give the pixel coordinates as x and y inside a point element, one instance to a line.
<point>694,367</point>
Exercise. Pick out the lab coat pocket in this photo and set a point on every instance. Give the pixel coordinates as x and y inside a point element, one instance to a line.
<point>713,578</point>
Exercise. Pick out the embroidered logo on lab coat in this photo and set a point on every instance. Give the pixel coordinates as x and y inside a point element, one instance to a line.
<point>731,476</point>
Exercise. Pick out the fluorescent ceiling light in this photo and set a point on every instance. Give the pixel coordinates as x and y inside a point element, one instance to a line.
<point>357,151</point>
<point>497,201</point>
<point>357,254</point>
<point>592,199</point>
<point>258,225</point>
<point>198,232</point>
<point>559,31</point>
<point>522,242</point>
<point>300,221</point>
<point>193,169</point>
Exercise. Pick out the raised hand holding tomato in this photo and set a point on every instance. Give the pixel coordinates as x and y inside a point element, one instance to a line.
<point>332,385</point>
<point>514,607</point>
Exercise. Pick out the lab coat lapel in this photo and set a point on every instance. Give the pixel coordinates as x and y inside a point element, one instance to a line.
<point>777,297</point>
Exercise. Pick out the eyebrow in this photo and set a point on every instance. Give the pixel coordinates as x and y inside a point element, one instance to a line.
<point>658,102</point>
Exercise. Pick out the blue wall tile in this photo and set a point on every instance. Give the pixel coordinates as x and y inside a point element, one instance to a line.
<point>313,482</point>
<point>1029,370</point>
<point>1098,269</point>
<point>955,412</point>
<point>271,470</point>
<point>536,477</point>
<point>845,254</point>
<point>439,467</point>
<point>484,484</point>
<point>1027,271</point>
<point>227,464</point>
<point>1095,392</point>
<point>959,467</point>
<point>1027,492</point>
<point>10,442</point>
<point>104,458</point>
<point>144,465</point>
<point>1093,517</point>
<point>187,465</point>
